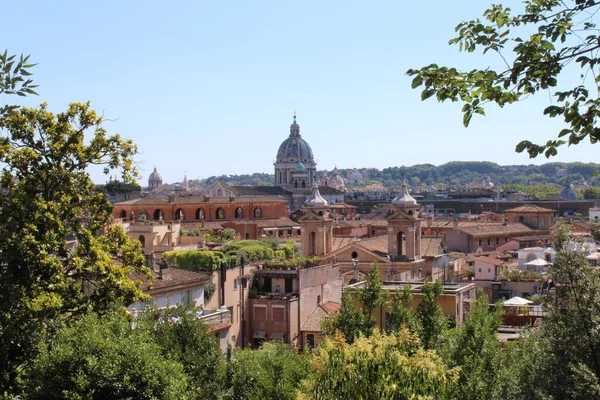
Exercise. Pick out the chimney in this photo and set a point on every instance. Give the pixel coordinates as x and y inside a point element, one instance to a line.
<point>164,272</point>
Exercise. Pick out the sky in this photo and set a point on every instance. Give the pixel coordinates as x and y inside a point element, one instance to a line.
<point>210,88</point>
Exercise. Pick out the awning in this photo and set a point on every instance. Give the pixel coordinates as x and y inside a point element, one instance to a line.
<point>277,336</point>
<point>517,301</point>
<point>260,334</point>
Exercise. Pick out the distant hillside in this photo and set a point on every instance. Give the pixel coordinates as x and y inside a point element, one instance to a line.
<point>452,174</point>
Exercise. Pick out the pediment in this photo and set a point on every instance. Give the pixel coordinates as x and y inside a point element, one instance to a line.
<point>402,216</point>
<point>311,216</point>
<point>219,189</point>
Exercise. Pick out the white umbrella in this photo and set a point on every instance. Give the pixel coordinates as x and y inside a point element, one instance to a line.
<point>517,301</point>
<point>538,262</point>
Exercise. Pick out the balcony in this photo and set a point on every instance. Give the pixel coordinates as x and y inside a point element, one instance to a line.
<point>215,319</point>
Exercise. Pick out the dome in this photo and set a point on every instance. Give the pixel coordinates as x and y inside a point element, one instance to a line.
<point>336,181</point>
<point>155,179</point>
<point>316,200</point>
<point>294,148</point>
<point>568,194</point>
<point>300,166</point>
<point>405,199</point>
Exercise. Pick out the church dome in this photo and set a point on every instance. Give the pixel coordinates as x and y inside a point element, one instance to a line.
<point>155,179</point>
<point>300,166</point>
<point>405,199</point>
<point>336,181</point>
<point>294,148</point>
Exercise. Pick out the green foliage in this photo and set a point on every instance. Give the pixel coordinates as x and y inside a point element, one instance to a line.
<point>273,372</point>
<point>518,276</point>
<point>190,232</point>
<point>196,260</point>
<point>49,197</point>
<point>253,250</point>
<point>188,342</point>
<point>431,317</point>
<point>223,236</point>
<point>474,347</point>
<point>271,241</point>
<point>401,314</point>
<point>535,46</point>
<point>572,341</point>
<point>371,295</point>
<point>349,321</point>
<point>379,367</point>
<point>539,191</point>
<point>591,193</point>
<point>103,358</point>
<point>14,78</point>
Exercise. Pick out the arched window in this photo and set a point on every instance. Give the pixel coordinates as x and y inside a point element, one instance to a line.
<point>303,183</point>
<point>179,215</point>
<point>312,243</point>
<point>158,214</point>
<point>296,184</point>
<point>123,214</point>
<point>200,214</point>
<point>143,215</point>
<point>220,214</point>
<point>239,213</point>
<point>257,212</point>
<point>400,243</point>
<point>142,240</point>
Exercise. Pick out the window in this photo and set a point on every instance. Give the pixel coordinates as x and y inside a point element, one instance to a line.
<point>123,214</point>
<point>278,314</point>
<point>260,313</point>
<point>142,240</point>
<point>231,313</point>
<point>239,213</point>
<point>310,341</point>
<point>220,214</point>
<point>235,283</point>
<point>158,214</point>
<point>354,255</point>
<point>257,212</point>
<point>489,270</point>
<point>497,241</point>
<point>179,216</point>
<point>489,242</point>
<point>479,242</point>
<point>479,270</point>
<point>200,214</point>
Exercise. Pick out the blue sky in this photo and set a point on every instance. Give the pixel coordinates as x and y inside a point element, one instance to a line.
<point>209,88</point>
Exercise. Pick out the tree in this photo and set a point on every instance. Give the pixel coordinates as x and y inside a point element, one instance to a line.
<point>559,33</point>
<point>572,347</point>
<point>54,265</point>
<point>430,314</point>
<point>104,358</point>
<point>379,367</point>
<point>371,295</point>
<point>14,78</point>
<point>401,314</point>
<point>349,321</point>
<point>474,347</point>
<point>184,338</point>
<point>273,372</point>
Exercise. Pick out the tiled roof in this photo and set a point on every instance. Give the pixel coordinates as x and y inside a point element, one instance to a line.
<point>212,225</point>
<point>260,191</point>
<point>377,244</point>
<point>340,241</point>
<point>320,314</point>
<point>156,201</point>
<point>328,190</point>
<point>171,277</point>
<point>279,222</point>
<point>431,246</point>
<point>529,208</point>
<point>488,260</point>
<point>493,229</point>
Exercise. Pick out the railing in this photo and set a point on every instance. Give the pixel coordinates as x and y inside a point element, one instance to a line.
<point>214,318</point>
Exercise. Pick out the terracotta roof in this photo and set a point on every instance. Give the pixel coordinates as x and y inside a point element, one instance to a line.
<point>172,277</point>
<point>158,201</point>
<point>320,314</point>
<point>340,241</point>
<point>260,191</point>
<point>431,246</point>
<point>208,225</point>
<point>530,208</point>
<point>493,229</point>
<point>219,327</point>
<point>488,260</point>
<point>377,244</point>
<point>279,222</point>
